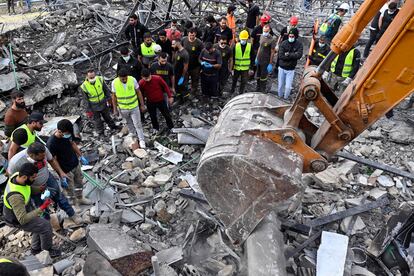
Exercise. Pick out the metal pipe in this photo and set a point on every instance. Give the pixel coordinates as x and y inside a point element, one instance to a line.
<point>324,66</point>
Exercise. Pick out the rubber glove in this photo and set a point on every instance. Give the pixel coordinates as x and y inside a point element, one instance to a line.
<point>45,194</point>
<point>203,63</point>
<point>181,81</point>
<point>64,183</point>
<point>269,68</point>
<point>84,160</point>
<point>256,62</point>
<point>46,204</point>
<point>208,65</point>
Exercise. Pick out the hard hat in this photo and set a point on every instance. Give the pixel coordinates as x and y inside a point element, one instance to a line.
<point>157,48</point>
<point>343,6</point>
<point>244,35</point>
<point>294,20</point>
<point>265,18</point>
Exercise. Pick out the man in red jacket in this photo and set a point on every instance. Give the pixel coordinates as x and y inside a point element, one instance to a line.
<point>153,88</point>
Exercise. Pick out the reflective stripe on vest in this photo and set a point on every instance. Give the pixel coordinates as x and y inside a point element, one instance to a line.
<point>346,70</point>
<point>319,54</point>
<point>25,191</point>
<point>126,98</point>
<point>5,261</point>
<point>148,51</point>
<point>242,60</point>
<point>94,91</point>
<point>328,23</point>
<point>31,137</point>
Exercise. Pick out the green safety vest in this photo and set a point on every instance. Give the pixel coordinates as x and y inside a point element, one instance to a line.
<point>328,23</point>
<point>242,60</point>
<point>31,137</point>
<point>346,70</point>
<point>148,51</point>
<point>126,98</point>
<point>94,91</point>
<point>25,191</point>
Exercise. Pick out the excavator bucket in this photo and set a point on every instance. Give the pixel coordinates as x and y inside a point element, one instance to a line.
<point>242,175</point>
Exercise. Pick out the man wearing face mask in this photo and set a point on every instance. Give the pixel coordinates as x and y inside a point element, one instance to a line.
<point>129,63</point>
<point>16,115</point>
<point>242,54</point>
<point>264,58</point>
<point>68,155</point>
<point>290,51</point>
<point>386,18</point>
<point>18,211</point>
<point>25,135</point>
<point>227,62</point>
<point>40,156</point>
<point>96,95</point>
<point>320,51</point>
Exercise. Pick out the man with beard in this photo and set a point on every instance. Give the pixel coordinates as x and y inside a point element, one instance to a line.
<point>25,135</point>
<point>16,115</point>
<point>134,32</point>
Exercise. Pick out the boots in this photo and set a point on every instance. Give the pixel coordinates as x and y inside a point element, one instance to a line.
<point>80,199</point>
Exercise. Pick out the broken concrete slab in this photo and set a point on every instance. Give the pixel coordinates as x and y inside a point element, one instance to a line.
<point>129,216</point>
<point>358,225</point>
<point>168,154</point>
<point>331,254</point>
<point>46,271</point>
<point>170,255</point>
<point>385,181</point>
<point>133,264</point>
<point>44,258</point>
<point>57,41</point>
<point>121,244</point>
<point>61,265</point>
<point>97,265</point>
<point>7,81</point>
<point>192,136</point>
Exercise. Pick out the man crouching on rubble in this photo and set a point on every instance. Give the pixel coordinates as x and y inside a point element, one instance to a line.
<point>18,211</point>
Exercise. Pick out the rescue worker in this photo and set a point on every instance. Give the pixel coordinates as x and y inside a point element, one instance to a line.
<point>257,32</point>
<point>127,97</point>
<point>386,18</point>
<point>97,94</point>
<point>290,51</point>
<point>181,60</point>
<point>231,21</point>
<point>12,267</point>
<point>18,211</point>
<point>173,32</point>
<point>320,51</point>
<point>193,45</point>
<point>16,115</point>
<point>253,14</point>
<point>130,63</point>
<point>165,43</point>
<point>25,135</point>
<point>210,60</point>
<point>165,70</point>
<point>344,68</point>
<point>264,58</point>
<point>154,88</point>
<point>331,25</point>
<point>284,33</point>
<point>223,30</point>
<point>67,154</point>
<point>227,63</point>
<point>374,31</point>
<point>210,32</point>
<point>134,32</point>
<point>242,53</point>
<point>147,50</point>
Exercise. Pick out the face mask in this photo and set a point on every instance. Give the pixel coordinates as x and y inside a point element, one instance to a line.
<point>21,105</point>
<point>67,135</point>
<point>322,44</point>
<point>291,39</point>
<point>126,58</point>
<point>92,80</point>
<point>243,42</point>
<point>266,34</point>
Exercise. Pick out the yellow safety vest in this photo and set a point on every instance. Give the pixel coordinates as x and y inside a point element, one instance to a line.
<point>242,60</point>
<point>25,191</point>
<point>5,261</point>
<point>328,23</point>
<point>94,91</point>
<point>148,51</point>
<point>126,98</point>
<point>31,137</point>
<point>346,70</point>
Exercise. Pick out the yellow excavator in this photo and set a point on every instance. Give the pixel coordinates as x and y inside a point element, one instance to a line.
<point>255,155</point>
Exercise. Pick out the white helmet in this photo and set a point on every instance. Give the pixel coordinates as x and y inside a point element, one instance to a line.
<point>157,48</point>
<point>344,6</point>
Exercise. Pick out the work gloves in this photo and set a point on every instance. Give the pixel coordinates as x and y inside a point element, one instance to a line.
<point>181,81</point>
<point>206,64</point>
<point>84,160</point>
<point>269,68</point>
<point>45,204</point>
<point>45,194</point>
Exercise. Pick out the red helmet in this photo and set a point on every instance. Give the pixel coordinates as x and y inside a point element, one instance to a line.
<point>294,20</point>
<point>265,18</point>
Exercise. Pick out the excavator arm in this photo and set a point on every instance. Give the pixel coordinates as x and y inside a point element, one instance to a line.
<point>255,155</point>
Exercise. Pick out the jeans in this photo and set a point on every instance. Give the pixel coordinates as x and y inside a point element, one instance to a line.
<point>163,108</point>
<point>133,119</point>
<point>97,120</point>
<point>285,81</point>
<point>56,195</point>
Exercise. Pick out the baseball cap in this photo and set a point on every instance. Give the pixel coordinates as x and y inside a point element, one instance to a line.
<point>37,117</point>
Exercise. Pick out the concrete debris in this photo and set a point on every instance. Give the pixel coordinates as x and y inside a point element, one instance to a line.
<point>8,81</point>
<point>61,265</point>
<point>332,254</point>
<point>78,235</point>
<point>170,255</point>
<point>385,181</point>
<point>44,258</point>
<point>169,155</point>
<point>46,271</point>
<point>96,265</point>
<point>357,225</point>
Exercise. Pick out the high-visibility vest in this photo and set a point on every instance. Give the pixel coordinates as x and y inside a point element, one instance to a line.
<point>148,51</point>
<point>5,261</point>
<point>323,29</point>
<point>25,191</point>
<point>242,60</point>
<point>126,97</point>
<point>346,70</point>
<point>94,91</point>
<point>31,137</point>
<point>319,54</point>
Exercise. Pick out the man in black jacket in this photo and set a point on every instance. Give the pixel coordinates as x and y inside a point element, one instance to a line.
<point>290,51</point>
<point>320,51</point>
<point>130,63</point>
<point>134,32</point>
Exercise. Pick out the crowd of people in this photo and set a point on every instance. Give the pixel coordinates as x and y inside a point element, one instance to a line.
<point>152,73</point>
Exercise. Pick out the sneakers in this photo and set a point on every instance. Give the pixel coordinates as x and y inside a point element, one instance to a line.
<point>76,219</point>
<point>142,144</point>
<point>35,251</point>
